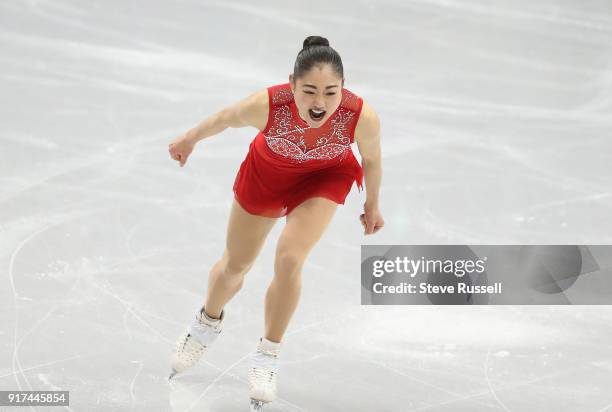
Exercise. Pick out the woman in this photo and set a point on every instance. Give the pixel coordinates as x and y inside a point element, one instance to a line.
<point>300,165</point>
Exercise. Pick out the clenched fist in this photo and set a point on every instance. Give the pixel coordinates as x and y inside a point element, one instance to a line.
<point>180,148</point>
<point>371,219</point>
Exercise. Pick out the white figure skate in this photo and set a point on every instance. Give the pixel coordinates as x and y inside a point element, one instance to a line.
<point>263,374</point>
<point>192,344</point>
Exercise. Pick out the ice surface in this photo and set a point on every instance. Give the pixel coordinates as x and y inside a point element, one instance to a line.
<point>496,129</point>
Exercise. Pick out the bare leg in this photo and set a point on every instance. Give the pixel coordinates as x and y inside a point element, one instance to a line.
<point>245,237</point>
<point>305,226</point>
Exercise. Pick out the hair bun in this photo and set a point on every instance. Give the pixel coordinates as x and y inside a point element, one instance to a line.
<point>311,41</point>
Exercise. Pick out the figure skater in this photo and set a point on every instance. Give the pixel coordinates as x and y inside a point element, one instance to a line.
<point>301,166</point>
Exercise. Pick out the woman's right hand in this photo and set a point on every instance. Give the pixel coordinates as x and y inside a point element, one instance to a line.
<point>180,148</point>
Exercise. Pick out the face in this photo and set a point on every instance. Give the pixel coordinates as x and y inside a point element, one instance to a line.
<point>317,94</point>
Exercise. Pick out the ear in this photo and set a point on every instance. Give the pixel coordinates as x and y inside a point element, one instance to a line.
<point>291,78</point>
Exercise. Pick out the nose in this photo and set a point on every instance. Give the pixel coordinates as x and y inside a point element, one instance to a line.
<point>319,102</point>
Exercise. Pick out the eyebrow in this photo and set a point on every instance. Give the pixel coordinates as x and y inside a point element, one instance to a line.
<point>315,87</point>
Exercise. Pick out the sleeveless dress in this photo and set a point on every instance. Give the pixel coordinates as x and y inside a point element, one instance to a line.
<point>289,161</point>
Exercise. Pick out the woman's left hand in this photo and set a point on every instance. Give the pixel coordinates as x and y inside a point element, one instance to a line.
<point>371,219</point>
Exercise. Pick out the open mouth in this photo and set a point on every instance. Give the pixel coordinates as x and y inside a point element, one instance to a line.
<point>316,115</point>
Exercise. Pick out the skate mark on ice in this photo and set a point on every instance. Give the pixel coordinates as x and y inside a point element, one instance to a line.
<point>133,397</point>
<point>606,408</point>
<point>502,387</point>
<point>16,364</point>
<point>423,382</point>
<point>486,373</point>
<point>42,365</point>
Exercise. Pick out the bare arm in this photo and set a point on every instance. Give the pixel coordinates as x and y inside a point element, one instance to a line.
<point>251,111</point>
<point>367,137</point>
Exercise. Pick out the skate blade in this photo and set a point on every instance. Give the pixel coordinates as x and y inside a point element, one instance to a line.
<point>172,374</point>
<point>257,405</point>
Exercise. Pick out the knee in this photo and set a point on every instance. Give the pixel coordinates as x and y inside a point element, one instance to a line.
<point>288,264</point>
<point>236,267</point>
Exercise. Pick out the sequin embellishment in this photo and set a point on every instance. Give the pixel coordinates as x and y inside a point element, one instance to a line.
<point>299,144</point>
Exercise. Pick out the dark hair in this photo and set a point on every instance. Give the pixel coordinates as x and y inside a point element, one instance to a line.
<point>316,50</point>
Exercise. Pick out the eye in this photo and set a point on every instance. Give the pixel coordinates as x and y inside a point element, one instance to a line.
<point>308,92</point>
<point>331,94</point>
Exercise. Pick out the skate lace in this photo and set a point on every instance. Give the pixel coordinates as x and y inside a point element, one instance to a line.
<point>263,375</point>
<point>264,365</point>
<point>189,349</point>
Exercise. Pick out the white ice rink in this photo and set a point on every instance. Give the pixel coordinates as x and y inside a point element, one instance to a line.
<point>496,129</point>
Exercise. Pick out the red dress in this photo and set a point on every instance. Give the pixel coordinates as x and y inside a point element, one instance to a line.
<point>289,162</point>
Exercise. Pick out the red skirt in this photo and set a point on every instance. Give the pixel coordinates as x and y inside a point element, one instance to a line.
<point>268,185</point>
